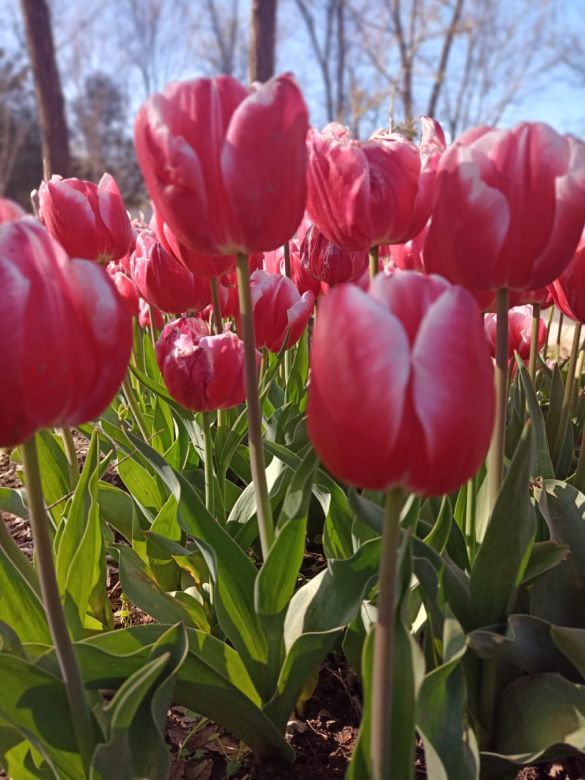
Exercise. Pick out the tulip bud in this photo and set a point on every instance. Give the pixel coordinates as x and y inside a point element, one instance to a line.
<point>327,262</point>
<point>401,390</point>
<point>144,312</point>
<point>303,281</point>
<point>89,220</point>
<point>9,211</point>
<point>65,335</point>
<point>519,331</point>
<point>163,281</point>
<point>125,287</point>
<point>226,166</point>
<point>201,372</point>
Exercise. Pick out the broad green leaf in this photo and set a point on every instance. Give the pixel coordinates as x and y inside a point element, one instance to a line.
<point>20,603</point>
<point>543,466</point>
<point>17,558</point>
<point>117,508</point>
<point>13,500</point>
<point>54,472</point>
<point>501,561</point>
<point>141,484</point>
<point>16,757</point>
<point>162,566</point>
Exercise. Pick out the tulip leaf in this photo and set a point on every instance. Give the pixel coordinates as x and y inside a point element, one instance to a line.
<point>117,508</point>
<point>13,500</point>
<point>141,484</point>
<point>34,702</point>
<point>54,472</point>
<point>502,558</point>
<point>19,759</point>
<point>543,466</point>
<point>20,603</point>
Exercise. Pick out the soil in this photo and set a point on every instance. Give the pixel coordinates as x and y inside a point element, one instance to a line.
<point>323,735</point>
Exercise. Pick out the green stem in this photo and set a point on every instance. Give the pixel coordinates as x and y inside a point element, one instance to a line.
<point>373,261</point>
<point>534,341</point>
<point>222,417</point>
<point>496,453</point>
<point>134,406</point>
<point>71,453</point>
<point>287,355</point>
<point>559,334</point>
<point>551,314</point>
<point>567,397</point>
<point>208,462</point>
<point>470,515</point>
<point>151,328</point>
<point>579,478</point>
<point>383,671</point>
<point>263,508</point>
<point>70,671</point>
<point>286,249</point>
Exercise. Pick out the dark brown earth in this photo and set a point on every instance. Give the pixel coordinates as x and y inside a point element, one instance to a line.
<point>322,736</point>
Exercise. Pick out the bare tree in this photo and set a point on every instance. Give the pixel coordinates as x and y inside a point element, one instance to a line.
<point>262,40</point>
<point>51,108</point>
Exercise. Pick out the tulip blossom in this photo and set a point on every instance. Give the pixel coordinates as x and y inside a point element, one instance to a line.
<point>204,265</point>
<point>66,335</point>
<point>226,165</point>
<point>401,390</point>
<point>163,281</point>
<point>201,372</point>
<point>568,290</point>
<point>9,211</point>
<point>362,194</point>
<point>89,220</point>
<point>125,287</point>
<point>519,331</point>
<point>144,312</point>
<point>280,311</point>
<point>409,255</point>
<point>510,208</point>
<point>327,262</point>
<point>303,281</point>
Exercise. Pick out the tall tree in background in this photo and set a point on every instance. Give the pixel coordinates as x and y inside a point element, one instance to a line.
<point>50,104</point>
<point>262,40</point>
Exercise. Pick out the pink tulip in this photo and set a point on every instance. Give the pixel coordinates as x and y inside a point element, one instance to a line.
<point>303,281</point>
<point>9,211</point>
<point>519,331</point>
<point>279,310</point>
<point>125,287</point>
<point>409,256</point>
<point>201,372</point>
<point>89,220</point>
<point>163,281</point>
<point>65,335</point>
<point>327,262</point>
<point>568,290</point>
<point>362,194</point>
<point>401,390</point>
<point>225,165</point>
<point>510,208</point>
<point>144,311</point>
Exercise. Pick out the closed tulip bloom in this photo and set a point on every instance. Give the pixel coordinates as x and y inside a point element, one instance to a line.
<point>409,256</point>
<point>568,290</point>
<point>280,311</point>
<point>144,311</point>
<point>303,281</point>
<point>519,331</point>
<point>327,262</point>
<point>89,220</point>
<point>401,386</point>
<point>163,281</point>
<point>65,335</point>
<point>201,372</point>
<point>510,208</point>
<point>226,165</point>
<point>9,211</point>
<point>363,194</point>
<point>125,286</point>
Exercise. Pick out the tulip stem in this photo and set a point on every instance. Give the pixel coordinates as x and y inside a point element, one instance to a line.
<point>222,418</point>
<point>567,398</point>
<point>559,334</point>
<point>70,671</point>
<point>382,674</point>
<point>497,447</point>
<point>151,329</point>
<point>263,508</point>
<point>208,464</point>
<point>134,407</point>
<point>287,357</point>
<point>373,261</point>
<point>579,478</point>
<point>470,516</point>
<point>534,341</point>
<point>548,328</point>
<point>71,453</point>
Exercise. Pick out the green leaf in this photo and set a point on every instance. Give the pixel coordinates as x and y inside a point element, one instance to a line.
<point>117,508</point>
<point>54,472</point>
<point>161,564</point>
<point>12,500</point>
<point>17,759</point>
<point>20,603</point>
<point>141,484</point>
<point>502,558</point>
<point>297,383</point>
<point>543,466</point>
<point>35,703</point>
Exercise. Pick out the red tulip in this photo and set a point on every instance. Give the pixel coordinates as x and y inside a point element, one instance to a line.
<point>144,310</point>
<point>125,287</point>
<point>279,310</point>
<point>9,211</point>
<point>519,331</point>
<point>303,281</point>
<point>226,166</point>
<point>401,389</point>
<point>327,262</point>
<point>362,194</point>
<point>89,220</point>
<point>409,256</point>
<point>568,290</point>
<point>204,265</point>
<point>201,372</point>
<point>65,335</point>
<point>510,208</point>
<point>163,281</point>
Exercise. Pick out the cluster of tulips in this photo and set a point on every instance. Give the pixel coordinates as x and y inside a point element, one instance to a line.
<point>388,250</point>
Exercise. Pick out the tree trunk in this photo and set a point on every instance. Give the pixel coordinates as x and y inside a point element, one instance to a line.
<point>51,108</point>
<point>263,40</point>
